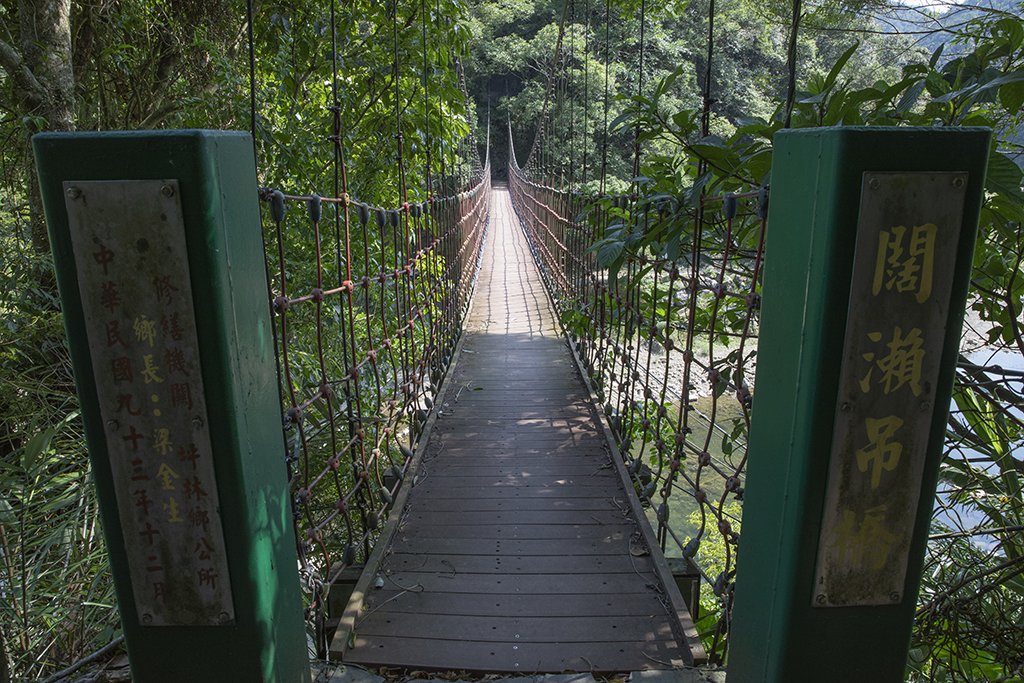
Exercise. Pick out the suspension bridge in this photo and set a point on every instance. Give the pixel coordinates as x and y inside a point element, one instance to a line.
<point>519,546</point>
<point>516,419</point>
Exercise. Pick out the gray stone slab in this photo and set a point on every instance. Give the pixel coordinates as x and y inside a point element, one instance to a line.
<point>567,678</point>
<point>678,676</point>
<point>347,674</point>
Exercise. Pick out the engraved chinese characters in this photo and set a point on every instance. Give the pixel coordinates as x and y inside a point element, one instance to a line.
<point>129,245</point>
<point>907,235</point>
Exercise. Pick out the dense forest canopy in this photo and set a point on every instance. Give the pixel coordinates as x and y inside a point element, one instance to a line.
<point>138,64</point>
<point>512,61</point>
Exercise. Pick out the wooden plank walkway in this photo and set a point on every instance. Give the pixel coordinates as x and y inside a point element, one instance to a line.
<point>517,550</point>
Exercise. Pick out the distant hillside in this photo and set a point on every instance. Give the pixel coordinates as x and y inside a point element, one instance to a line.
<point>931,29</point>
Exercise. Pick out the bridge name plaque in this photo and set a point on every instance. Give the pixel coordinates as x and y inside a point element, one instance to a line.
<point>128,239</point>
<point>907,235</point>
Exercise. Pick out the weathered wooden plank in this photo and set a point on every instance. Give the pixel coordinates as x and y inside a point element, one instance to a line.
<point>523,629</point>
<point>528,657</point>
<point>502,564</point>
<point>538,439</point>
<point>527,400</point>
<point>515,384</point>
<point>519,504</point>
<point>564,388</point>
<point>616,545</point>
<point>419,517</point>
<point>513,372</point>
<point>493,415</point>
<point>535,355</point>
<point>557,466</point>
<point>485,436</point>
<point>549,454</point>
<point>535,532</point>
<point>432,487</point>
<point>485,412</point>
<point>617,587</point>
<point>518,361</point>
<point>473,423</point>
<point>533,399</point>
<point>484,485</point>
<point>505,605</point>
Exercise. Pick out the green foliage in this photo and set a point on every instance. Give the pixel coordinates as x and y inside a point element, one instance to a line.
<point>713,561</point>
<point>183,63</point>
<point>381,57</point>
<point>512,62</point>
<point>56,600</point>
<point>970,612</point>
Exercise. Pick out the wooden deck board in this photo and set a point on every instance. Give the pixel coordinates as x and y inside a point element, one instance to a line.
<point>621,586</point>
<point>565,467</point>
<point>517,517</point>
<point>517,550</point>
<point>504,605</point>
<point>525,532</point>
<point>436,488</point>
<point>524,629</point>
<point>611,544</point>
<point>471,655</point>
<point>523,504</point>
<point>536,564</point>
<point>484,484</point>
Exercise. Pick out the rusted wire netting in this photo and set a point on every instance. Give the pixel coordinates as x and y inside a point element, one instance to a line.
<point>669,339</point>
<point>368,307</point>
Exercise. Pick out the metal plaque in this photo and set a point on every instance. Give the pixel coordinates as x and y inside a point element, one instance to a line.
<point>128,238</point>
<point>907,236</point>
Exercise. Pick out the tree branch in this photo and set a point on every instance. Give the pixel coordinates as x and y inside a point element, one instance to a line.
<point>98,654</point>
<point>14,65</point>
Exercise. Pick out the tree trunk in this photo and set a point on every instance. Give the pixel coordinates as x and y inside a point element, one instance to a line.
<point>46,52</point>
<point>5,669</point>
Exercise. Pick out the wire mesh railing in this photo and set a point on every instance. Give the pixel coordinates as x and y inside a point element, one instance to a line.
<point>971,589</point>
<point>660,297</point>
<point>660,302</point>
<point>368,305</point>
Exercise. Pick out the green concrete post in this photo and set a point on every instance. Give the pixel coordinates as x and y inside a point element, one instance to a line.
<point>159,260</point>
<point>870,239</point>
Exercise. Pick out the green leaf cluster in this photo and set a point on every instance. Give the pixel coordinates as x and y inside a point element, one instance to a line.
<point>359,80</point>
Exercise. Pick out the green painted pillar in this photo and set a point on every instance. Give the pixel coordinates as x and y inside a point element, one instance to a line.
<point>870,239</point>
<point>159,259</point>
